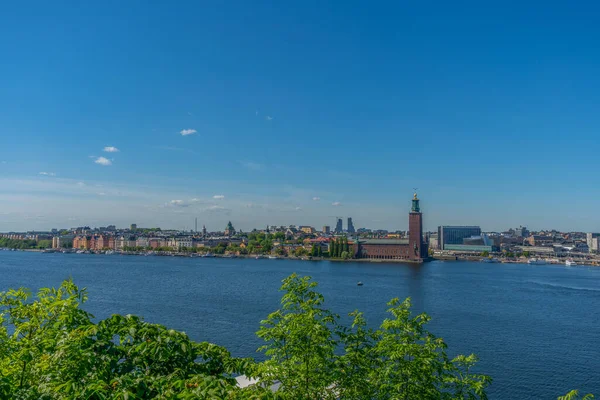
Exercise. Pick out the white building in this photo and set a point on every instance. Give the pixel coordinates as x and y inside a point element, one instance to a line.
<point>593,242</point>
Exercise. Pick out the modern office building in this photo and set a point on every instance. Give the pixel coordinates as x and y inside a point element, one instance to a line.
<point>326,229</point>
<point>338,226</point>
<point>452,235</point>
<point>350,226</point>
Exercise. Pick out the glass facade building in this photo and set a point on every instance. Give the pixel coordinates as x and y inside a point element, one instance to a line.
<point>449,235</point>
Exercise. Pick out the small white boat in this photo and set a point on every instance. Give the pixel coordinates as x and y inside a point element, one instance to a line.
<point>208,255</point>
<point>359,284</point>
<point>272,257</point>
<point>536,261</point>
<point>570,263</point>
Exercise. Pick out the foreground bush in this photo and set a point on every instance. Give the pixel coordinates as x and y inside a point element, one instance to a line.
<point>51,349</point>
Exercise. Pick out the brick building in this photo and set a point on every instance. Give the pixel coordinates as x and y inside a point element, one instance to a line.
<point>413,249</point>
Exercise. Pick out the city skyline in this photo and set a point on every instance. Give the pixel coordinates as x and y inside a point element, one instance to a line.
<point>296,115</point>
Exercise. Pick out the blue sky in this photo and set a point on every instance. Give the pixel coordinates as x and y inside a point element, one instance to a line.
<point>299,112</point>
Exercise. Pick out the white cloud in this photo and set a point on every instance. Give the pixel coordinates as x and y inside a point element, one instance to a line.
<point>218,197</point>
<point>316,198</point>
<point>111,149</point>
<point>101,194</point>
<point>298,208</point>
<point>176,202</point>
<point>269,118</point>
<point>103,161</point>
<point>80,184</point>
<point>336,204</point>
<point>185,132</point>
<point>48,173</point>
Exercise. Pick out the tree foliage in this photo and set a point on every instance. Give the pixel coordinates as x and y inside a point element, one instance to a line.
<point>50,348</point>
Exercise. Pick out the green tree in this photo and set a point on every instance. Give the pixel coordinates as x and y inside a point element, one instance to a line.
<point>300,252</point>
<point>401,360</point>
<point>52,349</point>
<point>345,244</point>
<point>574,395</point>
<point>300,343</point>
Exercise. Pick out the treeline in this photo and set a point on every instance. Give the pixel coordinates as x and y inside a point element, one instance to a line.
<point>24,244</point>
<point>339,248</point>
<point>53,349</point>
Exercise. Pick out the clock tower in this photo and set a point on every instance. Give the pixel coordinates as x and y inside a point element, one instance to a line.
<point>417,249</point>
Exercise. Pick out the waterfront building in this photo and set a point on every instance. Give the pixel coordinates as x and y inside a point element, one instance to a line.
<point>142,242</point>
<point>453,235</point>
<point>433,241</point>
<point>411,249</point>
<point>326,229</point>
<point>56,242</point>
<point>350,226</point>
<point>593,242</point>
<point>338,226</point>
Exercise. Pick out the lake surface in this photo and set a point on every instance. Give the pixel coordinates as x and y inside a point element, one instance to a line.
<point>536,329</point>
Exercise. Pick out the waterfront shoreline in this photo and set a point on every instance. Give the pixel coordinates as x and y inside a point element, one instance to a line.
<point>589,263</point>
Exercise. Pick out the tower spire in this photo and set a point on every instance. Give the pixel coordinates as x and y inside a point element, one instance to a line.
<point>415,203</point>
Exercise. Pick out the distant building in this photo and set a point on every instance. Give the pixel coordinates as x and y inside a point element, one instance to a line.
<point>521,231</point>
<point>307,229</point>
<point>593,242</point>
<point>411,249</point>
<point>229,229</point>
<point>338,226</point>
<point>133,227</point>
<point>56,242</point>
<point>350,226</point>
<point>433,241</point>
<point>454,235</point>
<point>540,240</point>
<point>327,229</point>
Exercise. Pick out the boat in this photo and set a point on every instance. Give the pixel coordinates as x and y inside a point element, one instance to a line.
<point>272,257</point>
<point>208,255</point>
<point>359,284</point>
<point>536,261</point>
<point>570,263</point>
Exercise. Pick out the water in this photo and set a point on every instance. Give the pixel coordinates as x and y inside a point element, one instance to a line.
<point>535,329</point>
